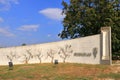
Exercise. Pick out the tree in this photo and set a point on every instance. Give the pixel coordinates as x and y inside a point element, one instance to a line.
<point>23,44</point>
<point>11,56</point>
<point>27,56</point>
<point>39,56</point>
<point>86,17</point>
<point>51,54</point>
<point>65,52</point>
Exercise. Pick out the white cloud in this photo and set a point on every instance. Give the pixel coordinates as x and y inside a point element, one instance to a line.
<point>49,35</point>
<point>6,4</point>
<point>1,20</point>
<point>6,32</point>
<point>28,27</point>
<point>15,1</point>
<point>52,13</point>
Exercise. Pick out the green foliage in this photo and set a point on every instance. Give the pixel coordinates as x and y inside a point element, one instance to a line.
<point>110,75</point>
<point>86,17</point>
<point>116,56</point>
<point>23,44</point>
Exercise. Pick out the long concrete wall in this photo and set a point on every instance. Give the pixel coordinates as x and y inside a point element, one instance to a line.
<point>87,50</point>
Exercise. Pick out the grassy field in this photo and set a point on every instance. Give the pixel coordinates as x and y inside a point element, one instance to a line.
<point>61,71</point>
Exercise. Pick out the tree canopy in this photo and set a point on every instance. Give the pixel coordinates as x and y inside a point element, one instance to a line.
<point>86,17</point>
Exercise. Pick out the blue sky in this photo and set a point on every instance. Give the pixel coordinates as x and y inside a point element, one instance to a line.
<point>30,21</point>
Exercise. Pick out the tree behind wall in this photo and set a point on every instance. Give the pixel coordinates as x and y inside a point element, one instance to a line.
<point>86,17</point>
<point>23,44</point>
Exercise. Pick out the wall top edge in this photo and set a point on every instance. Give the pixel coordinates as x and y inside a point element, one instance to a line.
<point>105,28</point>
<point>52,42</point>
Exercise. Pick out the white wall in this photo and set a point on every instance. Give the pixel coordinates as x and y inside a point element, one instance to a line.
<point>85,50</point>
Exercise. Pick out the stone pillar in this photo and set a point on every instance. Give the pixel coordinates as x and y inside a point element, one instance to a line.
<point>106,43</point>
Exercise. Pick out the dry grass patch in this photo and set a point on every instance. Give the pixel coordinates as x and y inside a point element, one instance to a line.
<point>65,71</point>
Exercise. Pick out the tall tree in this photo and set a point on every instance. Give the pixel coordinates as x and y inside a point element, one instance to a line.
<point>86,17</point>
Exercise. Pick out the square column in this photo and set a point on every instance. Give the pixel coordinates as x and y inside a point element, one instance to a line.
<point>106,43</point>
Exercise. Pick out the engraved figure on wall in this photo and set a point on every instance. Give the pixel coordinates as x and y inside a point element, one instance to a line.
<point>95,51</point>
<point>51,54</point>
<point>39,55</point>
<point>27,56</point>
<point>65,52</point>
<point>11,56</point>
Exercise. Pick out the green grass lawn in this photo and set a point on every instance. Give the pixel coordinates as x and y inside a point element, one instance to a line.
<point>61,71</point>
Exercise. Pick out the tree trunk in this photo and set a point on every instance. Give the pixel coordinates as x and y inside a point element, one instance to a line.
<point>40,60</point>
<point>64,60</point>
<point>52,60</point>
